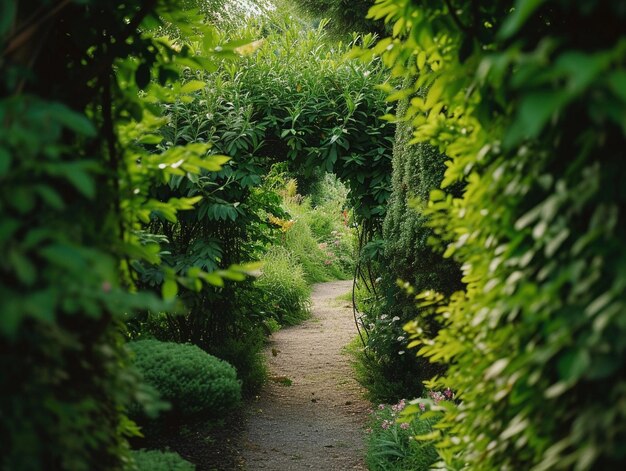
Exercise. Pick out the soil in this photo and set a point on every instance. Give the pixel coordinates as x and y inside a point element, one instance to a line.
<point>311,414</point>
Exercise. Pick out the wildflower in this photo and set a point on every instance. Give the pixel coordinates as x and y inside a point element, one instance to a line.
<point>436,396</point>
<point>404,425</point>
<point>422,406</point>
<point>381,406</point>
<point>383,317</point>
<point>448,393</point>
<point>328,262</point>
<point>401,338</point>
<point>395,318</point>
<point>386,424</point>
<point>399,406</point>
<point>401,352</point>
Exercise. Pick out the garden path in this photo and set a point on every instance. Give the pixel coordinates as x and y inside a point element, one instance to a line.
<point>317,422</point>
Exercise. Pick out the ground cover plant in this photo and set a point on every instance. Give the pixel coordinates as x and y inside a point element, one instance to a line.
<point>396,433</point>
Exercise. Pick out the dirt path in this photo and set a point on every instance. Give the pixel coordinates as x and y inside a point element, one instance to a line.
<point>317,421</point>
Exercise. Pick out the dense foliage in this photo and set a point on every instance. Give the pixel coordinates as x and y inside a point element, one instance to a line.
<point>528,105</point>
<point>73,189</point>
<point>155,460</point>
<point>192,381</point>
<point>294,99</point>
<point>345,15</point>
<point>408,257</point>
<point>285,290</point>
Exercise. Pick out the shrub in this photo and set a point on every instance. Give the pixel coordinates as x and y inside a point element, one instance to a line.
<point>534,129</point>
<point>245,353</point>
<point>156,460</point>
<point>285,292</point>
<point>194,382</point>
<point>408,256</point>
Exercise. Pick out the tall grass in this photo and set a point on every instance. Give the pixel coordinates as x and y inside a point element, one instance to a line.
<point>285,290</point>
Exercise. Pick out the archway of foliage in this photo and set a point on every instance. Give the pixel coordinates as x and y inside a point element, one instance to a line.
<point>528,105</point>
<point>295,99</point>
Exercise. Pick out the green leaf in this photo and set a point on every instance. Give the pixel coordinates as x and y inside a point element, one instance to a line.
<point>213,279</point>
<point>573,364</point>
<point>81,180</point>
<point>192,86</point>
<point>169,290</point>
<point>71,119</point>
<point>522,11</point>
<point>533,113</point>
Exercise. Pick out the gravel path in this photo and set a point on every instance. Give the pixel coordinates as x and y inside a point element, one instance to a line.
<point>317,421</point>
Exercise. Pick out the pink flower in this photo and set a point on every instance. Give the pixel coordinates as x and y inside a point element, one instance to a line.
<point>404,425</point>
<point>422,407</point>
<point>381,406</point>
<point>386,424</point>
<point>448,393</point>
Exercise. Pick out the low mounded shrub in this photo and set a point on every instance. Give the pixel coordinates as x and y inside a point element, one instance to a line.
<point>156,460</point>
<point>193,381</point>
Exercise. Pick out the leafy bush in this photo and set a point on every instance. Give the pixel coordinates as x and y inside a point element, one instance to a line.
<point>407,256</point>
<point>285,292</point>
<point>156,460</point>
<point>530,114</point>
<point>194,382</point>
<point>391,443</point>
<point>246,353</point>
<point>71,197</point>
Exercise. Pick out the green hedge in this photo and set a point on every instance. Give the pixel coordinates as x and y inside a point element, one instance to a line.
<point>407,255</point>
<point>191,380</point>
<point>529,104</point>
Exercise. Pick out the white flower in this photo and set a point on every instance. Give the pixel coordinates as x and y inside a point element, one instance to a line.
<point>383,317</point>
<point>401,338</point>
<point>395,318</point>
